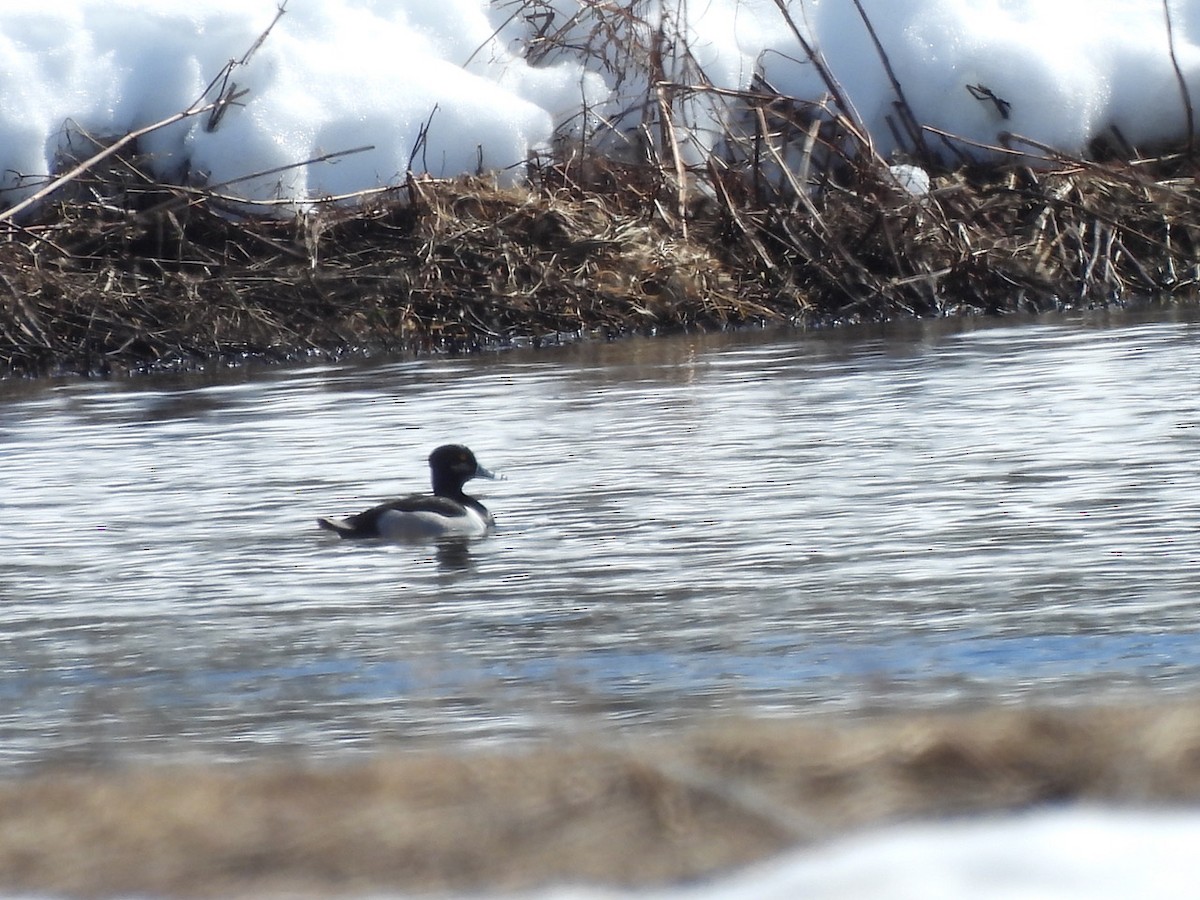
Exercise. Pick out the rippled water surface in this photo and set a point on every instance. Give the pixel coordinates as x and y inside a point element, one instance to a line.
<point>758,523</point>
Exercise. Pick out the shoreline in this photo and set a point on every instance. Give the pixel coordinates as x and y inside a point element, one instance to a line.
<point>784,212</point>
<point>150,277</point>
<point>646,810</point>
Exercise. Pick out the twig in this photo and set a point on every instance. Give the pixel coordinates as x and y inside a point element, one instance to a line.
<point>818,59</point>
<point>1183,88</point>
<point>749,233</point>
<point>228,93</point>
<point>680,173</point>
<point>422,141</point>
<point>906,110</point>
<point>279,12</point>
<point>994,148</point>
<point>799,188</point>
<point>206,193</point>
<point>104,154</point>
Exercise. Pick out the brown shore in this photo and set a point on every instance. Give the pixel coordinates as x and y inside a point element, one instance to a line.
<point>639,811</point>
<point>623,225</point>
<point>116,273</point>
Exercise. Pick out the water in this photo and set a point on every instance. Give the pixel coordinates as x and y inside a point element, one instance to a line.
<point>926,517</point>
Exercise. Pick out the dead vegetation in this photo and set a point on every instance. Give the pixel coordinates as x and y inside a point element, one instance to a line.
<point>147,279</point>
<point>433,266</point>
<point>794,218</point>
<point>643,811</point>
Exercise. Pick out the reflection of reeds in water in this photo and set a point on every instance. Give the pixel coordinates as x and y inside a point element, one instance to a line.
<point>688,205</point>
<point>638,812</point>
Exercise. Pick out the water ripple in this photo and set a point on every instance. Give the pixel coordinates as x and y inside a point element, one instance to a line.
<point>765,522</point>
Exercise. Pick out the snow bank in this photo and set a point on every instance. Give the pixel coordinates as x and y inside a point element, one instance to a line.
<point>446,87</point>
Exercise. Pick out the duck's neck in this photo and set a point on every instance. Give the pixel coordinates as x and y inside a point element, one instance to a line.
<point>448,487</point>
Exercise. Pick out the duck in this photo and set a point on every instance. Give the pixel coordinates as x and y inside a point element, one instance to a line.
<point>447,512</point>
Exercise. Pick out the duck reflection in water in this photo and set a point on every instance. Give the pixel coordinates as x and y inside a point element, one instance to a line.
<point>454,554</point>
<point>448,515</point>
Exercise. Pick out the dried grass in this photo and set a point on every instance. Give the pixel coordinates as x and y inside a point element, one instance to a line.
<point>154,279</point>
<point>795,220</point>
<point>645,811</point>
<point>143,275</point>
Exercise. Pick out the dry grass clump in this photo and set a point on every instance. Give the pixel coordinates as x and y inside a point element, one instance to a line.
<point>144,275</point>
<point>152,276</point>
<point>644,811</point>
<point>1013,240</point>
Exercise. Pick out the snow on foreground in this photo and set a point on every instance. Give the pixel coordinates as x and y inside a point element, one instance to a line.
<point>335,75</point>
<point>1078,854</point>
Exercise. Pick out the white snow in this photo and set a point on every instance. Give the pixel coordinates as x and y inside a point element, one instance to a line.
<point>338,75</point>
<point>1064,854</point>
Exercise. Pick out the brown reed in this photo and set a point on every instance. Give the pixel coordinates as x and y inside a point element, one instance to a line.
<point>795,220</point>
<point>611,812</point>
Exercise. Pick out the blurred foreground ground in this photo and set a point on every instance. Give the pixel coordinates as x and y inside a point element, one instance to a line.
<point>637,812</point>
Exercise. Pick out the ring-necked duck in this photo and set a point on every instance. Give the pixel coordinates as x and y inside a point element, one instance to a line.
<point>445,512</point>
